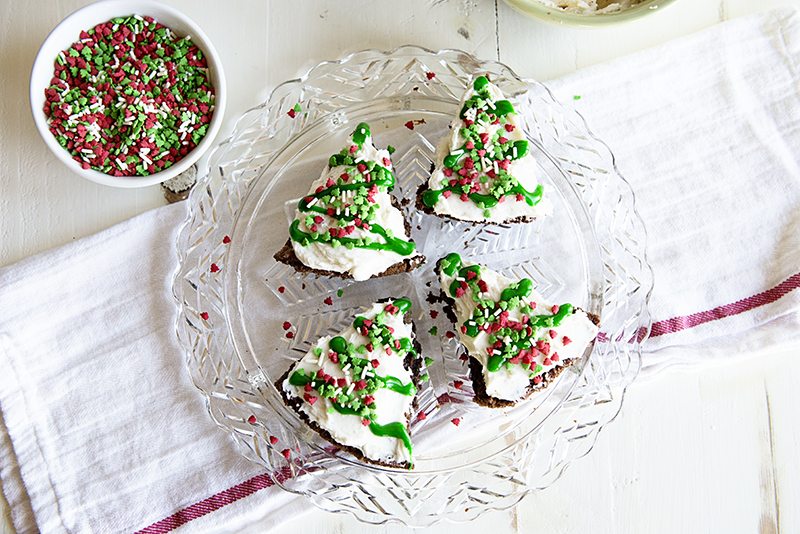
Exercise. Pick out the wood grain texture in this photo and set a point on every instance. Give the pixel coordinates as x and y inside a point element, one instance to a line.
<point>711,450</point>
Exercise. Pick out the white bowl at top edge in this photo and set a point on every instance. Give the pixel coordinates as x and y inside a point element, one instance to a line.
<point>68,31</point>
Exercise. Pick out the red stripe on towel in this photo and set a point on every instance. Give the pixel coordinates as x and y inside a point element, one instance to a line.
<point>676,324</point>
<point>215,502</point>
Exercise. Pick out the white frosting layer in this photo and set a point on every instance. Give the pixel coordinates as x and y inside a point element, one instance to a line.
<point>390,406</point>
<point>511,382</point>
<point>360,263</point>
<point>523,169</point>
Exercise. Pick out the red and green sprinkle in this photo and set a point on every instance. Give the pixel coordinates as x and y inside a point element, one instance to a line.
<point>130,98</point>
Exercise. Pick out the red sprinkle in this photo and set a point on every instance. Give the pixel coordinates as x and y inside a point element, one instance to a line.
<point>375,363</point>
<point>450,334</point>
<point>555,309</point>
<point>286,453</point>
<point>287,325</point>
<point>204,316</point>
<point>457,384</point>
<point>281,289</point>
<point>273,440</point>
<point>289,335</point>
<point>434,314</point>
<point>214,268</point>
<point>365,422</point>
<point>566,341</point>
<point>328,301</point>
<point>292,113</point>
<point>226,239</point>
<point>421,416</point>
<point>410,125</point>
<point>537,379</point>
<point>430,75</point>
<point>251,419</point>
<point>456,421</point>
<point>552,333</point>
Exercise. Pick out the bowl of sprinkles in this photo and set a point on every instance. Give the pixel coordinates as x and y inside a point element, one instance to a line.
<point>127,93</point>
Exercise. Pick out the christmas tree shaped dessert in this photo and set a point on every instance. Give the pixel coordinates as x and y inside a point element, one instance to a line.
<point>516,341</point>
<point>348,224</point>
<point>358,388</point>
<point>485,171</point>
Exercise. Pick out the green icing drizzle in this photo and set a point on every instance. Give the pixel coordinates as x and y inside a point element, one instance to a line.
<point>394,430</point>
<point>477,171</point>
<point>450,264</point>
<point>510,340</point>
<point>360,181</point>
<point>379,335</point>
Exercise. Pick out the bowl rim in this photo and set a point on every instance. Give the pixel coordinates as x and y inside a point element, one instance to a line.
<point>536,9</point>
<point>141,7</point>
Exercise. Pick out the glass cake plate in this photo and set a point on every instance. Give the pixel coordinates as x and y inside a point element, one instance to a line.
<point>234,297</point>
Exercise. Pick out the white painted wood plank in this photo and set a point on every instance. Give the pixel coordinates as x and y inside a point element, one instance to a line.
<point>301,34</point>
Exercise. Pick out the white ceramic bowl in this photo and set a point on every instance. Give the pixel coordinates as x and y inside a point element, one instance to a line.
<point>536,9</point>
<point>67,32</point>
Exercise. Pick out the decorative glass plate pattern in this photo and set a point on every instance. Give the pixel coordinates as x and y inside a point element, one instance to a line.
<point>591,253</point>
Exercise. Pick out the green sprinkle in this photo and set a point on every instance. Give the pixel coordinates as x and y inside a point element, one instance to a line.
<point>297,108</point>
<point>433,331</point>
<point>576,97</point>
<point>339,293</point>
<point>391,149</point>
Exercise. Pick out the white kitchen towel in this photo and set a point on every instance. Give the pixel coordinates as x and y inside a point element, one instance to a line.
<point>102,431</point>
<point>707,130</point>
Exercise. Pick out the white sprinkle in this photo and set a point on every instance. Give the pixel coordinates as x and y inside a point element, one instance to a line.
<point>321,358</point>
<point>514,152</point>
<point>346,368</point>
<point>350,388</point>
<point>364,372</point>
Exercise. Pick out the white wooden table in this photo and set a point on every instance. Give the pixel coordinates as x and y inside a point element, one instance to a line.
<point>711,450</point>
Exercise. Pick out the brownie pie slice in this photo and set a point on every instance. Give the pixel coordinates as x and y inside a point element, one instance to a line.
<point>348,224</point>
<point>358,389</point>
<point>484,170</point>
<point>517,342</point>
